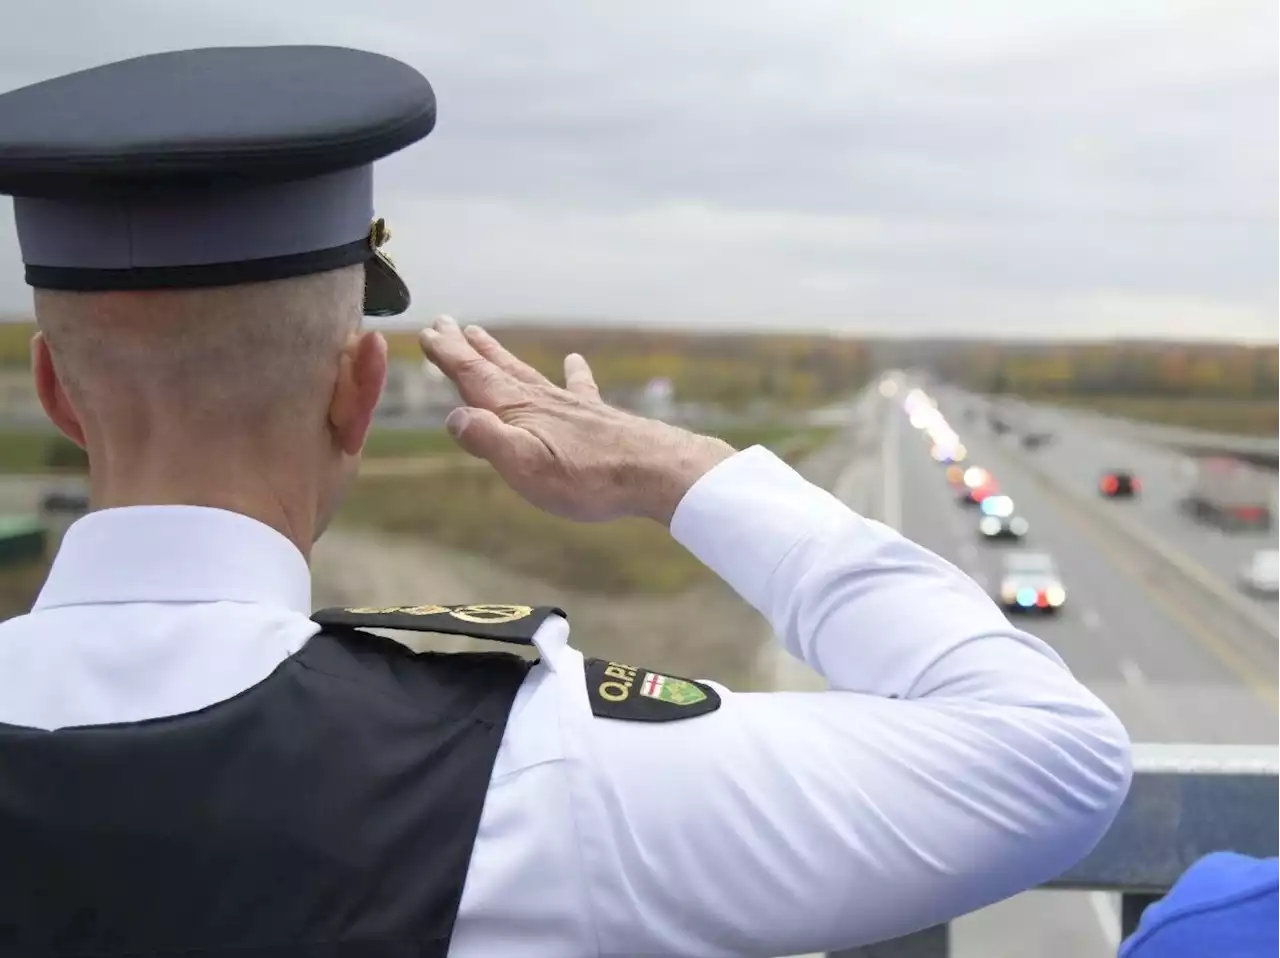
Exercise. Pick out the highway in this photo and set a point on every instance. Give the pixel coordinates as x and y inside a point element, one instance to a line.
<point>1084,446</point>
<point>1129,629</point>
<point>1124,630</point>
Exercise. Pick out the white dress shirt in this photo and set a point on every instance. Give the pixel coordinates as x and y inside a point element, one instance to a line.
<point>955,761</point>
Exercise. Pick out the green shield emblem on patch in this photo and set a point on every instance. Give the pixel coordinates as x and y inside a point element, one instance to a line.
<point>666,688</point>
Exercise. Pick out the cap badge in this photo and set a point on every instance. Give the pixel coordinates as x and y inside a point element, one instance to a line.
<point>379,236</point>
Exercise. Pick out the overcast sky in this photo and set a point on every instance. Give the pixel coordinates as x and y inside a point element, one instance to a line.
<point>1058,167</point>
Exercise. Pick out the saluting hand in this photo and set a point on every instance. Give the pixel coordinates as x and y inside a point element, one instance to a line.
<point>564,449</point>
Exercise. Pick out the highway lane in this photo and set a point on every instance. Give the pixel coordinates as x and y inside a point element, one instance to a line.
<point>1119,633</point>
<point>1084,447</point>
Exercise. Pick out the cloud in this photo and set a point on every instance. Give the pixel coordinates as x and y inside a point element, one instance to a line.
<point>923,167</point>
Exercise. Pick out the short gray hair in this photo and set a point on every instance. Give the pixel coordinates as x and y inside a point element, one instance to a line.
<point>223,359</point>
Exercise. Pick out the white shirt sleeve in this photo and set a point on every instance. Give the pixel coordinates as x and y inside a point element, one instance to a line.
<point>955,761</point>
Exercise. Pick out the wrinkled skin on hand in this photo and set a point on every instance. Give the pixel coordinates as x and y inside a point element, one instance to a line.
<point>563,448</point>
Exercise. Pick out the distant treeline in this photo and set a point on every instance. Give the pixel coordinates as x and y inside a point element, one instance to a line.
<point>796,370</point>
<point>731,370</point>
<point>1116,369</point>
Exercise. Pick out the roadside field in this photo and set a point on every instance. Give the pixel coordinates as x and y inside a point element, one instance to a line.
<point>471,509</point>
<point>1245,417</point>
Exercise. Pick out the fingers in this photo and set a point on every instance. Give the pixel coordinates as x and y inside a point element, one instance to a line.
<point>496,353</point>
<point>482,434</point>
<point>480,382</point>
<point>578,378</point>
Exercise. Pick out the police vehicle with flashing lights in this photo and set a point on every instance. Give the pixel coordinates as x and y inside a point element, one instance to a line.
<point>976,485</point>
<point>1031,584</point>
<point>999,520</point>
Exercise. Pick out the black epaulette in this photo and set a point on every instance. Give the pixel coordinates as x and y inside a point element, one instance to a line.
<point>499,623</point>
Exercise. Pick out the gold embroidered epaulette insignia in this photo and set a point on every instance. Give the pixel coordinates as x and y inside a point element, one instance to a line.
<point>501,623</point>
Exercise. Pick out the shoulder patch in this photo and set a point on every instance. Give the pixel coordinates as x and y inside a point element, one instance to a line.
<point>501,623</point>
<point>634,694</point>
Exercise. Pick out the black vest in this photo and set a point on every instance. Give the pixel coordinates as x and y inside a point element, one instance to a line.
<point>329,810</point>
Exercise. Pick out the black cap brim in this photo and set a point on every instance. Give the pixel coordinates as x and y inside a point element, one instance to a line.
<point>385,293</point>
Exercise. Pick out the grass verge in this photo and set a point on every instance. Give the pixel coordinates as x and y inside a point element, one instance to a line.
<point>35,450</point>
<point>473,510</point>
<point>1244,417</point>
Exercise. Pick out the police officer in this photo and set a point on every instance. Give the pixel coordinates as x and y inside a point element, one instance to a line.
<point>192,762</point>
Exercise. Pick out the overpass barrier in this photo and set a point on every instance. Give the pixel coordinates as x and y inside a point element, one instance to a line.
<point>1185,802</point>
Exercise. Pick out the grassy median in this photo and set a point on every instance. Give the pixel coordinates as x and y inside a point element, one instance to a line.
<point>1243,417</point>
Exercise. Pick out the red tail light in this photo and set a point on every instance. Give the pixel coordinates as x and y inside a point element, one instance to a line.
<point>1042,599</point>
<point>1135,484</point>
<point>1248,512</point>
<point>1110,484</point>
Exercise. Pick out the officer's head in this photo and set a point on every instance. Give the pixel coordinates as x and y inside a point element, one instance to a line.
<point>199,231</point>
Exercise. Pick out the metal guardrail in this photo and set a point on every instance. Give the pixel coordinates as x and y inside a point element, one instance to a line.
<point>1185,802</point>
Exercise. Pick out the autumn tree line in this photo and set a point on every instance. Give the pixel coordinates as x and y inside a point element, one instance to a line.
<point>729,370</point>
<point>797,370</point>
<point>1135,369</point>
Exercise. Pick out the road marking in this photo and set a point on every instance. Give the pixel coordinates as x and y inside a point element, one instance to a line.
<point>1092,621</point>
<point>1106,910</point>
<point>843,487</point>
<point>1132,674</point>
<point>891,503</point>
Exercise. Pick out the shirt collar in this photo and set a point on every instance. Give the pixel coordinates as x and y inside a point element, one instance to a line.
<point>175,554</point>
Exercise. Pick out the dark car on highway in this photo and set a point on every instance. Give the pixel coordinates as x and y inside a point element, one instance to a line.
<point>72,500</point>
<point>1119,484</point>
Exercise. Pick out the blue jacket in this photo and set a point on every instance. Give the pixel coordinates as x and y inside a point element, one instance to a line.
<point>1223,905</point>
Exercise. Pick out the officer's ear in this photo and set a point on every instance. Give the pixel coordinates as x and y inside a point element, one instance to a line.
<point>362,374</point>
<point>53,395</point>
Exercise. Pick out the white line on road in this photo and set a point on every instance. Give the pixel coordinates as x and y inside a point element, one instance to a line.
<point>1092,621</point>
<point>1132,674</point>
<point>1106,910</point>
<point>891,505</point>
<point>843,487</point>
